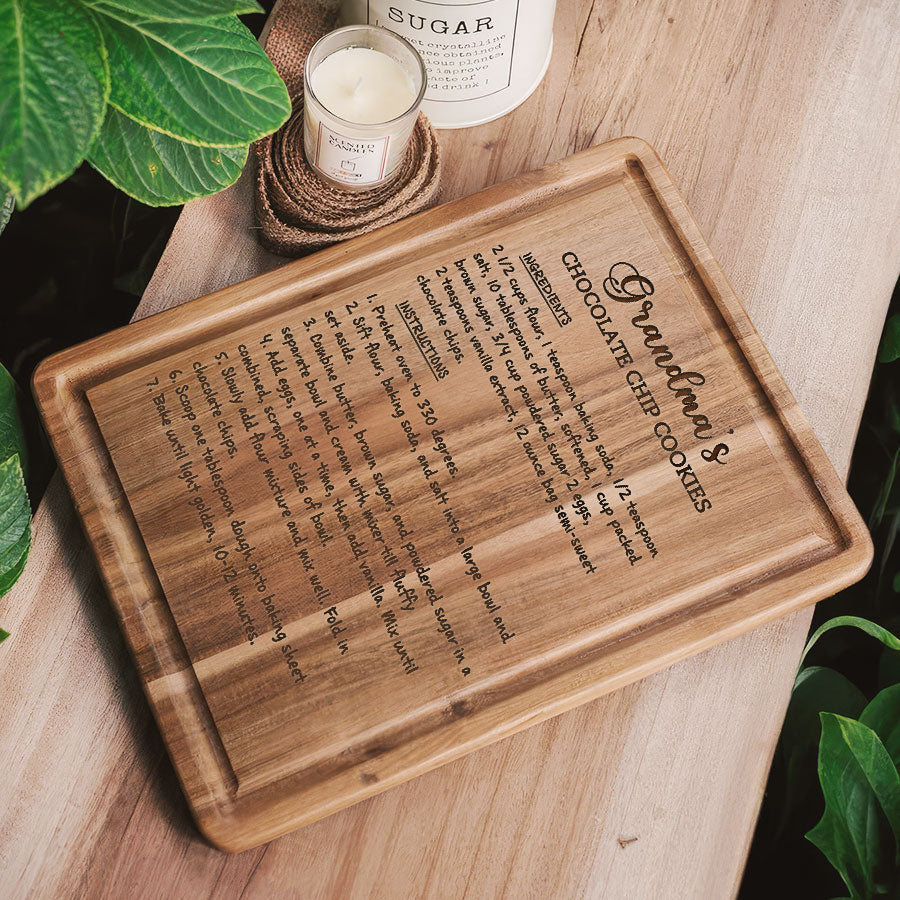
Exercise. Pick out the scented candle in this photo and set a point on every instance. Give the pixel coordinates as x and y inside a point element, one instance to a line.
<point>362,90</point>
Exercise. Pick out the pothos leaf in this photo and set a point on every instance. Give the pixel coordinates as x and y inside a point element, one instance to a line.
<point>859,782</point>
<point>816,689</point>
<point>871,628</point>
<point>882,715</point>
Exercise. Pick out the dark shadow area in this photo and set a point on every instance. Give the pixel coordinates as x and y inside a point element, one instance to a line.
<point>75,264</point>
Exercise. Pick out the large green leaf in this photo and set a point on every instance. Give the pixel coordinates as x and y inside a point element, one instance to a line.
<point>816,690</point>
<point>53,89</point>
<point>206,83</point>
<point>12,428</point>
<point>157,169</point>
<point>15,512</point>
<point>15,523</point>
<point>860,783</point>
<point>882,715</point>
<point>176,10</point>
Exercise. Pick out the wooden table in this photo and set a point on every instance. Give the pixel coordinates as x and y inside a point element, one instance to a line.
<point>781,123</point>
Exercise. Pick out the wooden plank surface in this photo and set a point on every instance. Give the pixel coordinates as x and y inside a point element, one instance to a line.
<point>779,121</point>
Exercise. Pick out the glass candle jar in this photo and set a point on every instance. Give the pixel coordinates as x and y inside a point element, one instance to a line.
<point>362,88</point>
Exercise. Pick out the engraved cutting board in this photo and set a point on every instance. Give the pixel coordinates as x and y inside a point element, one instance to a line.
<point>400,499</point>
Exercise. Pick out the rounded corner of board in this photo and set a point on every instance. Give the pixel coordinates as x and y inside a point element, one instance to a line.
<point>221,829</point>
<point>859,552</point>
<point>639,150</point>
<point>50,380</point>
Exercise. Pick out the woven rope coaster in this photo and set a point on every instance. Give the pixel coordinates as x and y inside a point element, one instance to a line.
<point>296,212</point>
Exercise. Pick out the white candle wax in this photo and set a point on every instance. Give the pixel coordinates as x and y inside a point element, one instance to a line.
<point>363,85</point>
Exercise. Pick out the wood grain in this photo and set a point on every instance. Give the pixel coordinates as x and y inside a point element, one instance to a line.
<point>678,760</point>
<point>725,546</point>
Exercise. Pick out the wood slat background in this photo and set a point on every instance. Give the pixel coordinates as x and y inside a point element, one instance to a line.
<point>780,122</point>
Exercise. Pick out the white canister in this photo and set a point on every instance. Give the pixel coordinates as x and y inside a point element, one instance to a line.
<point>483,58</point>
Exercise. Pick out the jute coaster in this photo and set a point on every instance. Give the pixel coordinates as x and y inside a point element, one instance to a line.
<point>296,212</point>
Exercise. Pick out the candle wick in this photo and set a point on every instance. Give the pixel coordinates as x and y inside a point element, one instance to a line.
<point>359,82</point>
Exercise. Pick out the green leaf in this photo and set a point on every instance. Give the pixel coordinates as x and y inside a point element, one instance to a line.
<point>859,781</point>
<point>15,512</point>
<point>6,209</point>
<point>207,83</point>
<point>176,10</point>
<point>817,689</point>
<point>884,493</point>
<point>54,84</point>
<point>891,405</point>
<point>889,350</point>
<point>157,169</point>
<point>888,668</point>
<point>12,428</point>
<point>890,537</point>
<point>871,628</point>
<point>15,523</point>
<point>3,635</point>
<point>882,715</point>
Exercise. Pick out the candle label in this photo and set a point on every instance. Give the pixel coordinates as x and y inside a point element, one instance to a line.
<point>467,50</point>
<point>350,160</point>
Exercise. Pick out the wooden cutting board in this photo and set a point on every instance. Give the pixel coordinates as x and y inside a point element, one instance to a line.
<point>369,512</point>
